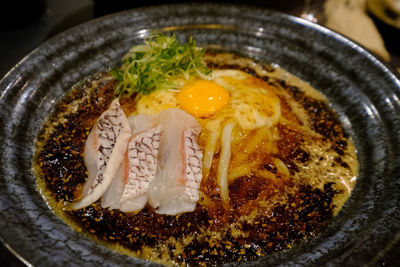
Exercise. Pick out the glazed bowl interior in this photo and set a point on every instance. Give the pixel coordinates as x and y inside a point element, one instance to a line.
<point>362,89</point>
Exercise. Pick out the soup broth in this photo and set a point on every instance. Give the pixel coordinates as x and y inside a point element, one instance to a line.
<point>286,180</point>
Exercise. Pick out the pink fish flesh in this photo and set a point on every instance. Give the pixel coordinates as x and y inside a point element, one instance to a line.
<point>104,152</point>
<point>175,187</point>
<point>143,159</point>
<point>128,189</point>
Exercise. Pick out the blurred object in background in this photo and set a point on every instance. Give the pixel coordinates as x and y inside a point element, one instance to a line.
<point>386,15</point>
<point>313,11</point>
<point>349,18</point>
<point>394,6</point>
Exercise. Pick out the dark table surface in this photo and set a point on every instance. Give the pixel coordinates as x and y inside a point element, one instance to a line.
<point>23,30</point>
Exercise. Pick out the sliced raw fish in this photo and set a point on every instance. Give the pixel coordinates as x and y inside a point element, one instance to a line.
<point>104,152</point>
<point>128,191</point>
<point>193,163</point>
<point>179,173</point>
<point>142,155</point>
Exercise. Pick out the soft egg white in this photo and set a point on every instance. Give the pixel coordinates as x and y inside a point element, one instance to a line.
<point>251,103</point>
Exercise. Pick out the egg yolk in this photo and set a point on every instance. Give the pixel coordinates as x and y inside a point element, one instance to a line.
<point>202,98</point>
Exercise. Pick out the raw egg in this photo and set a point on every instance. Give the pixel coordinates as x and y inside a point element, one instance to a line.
<point>202,98</point>
<point>229,94</point>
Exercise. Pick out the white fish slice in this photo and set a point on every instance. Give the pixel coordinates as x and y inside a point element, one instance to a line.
<point>142,155</point>
<point>193,163</point>
<point>175,187</point>
<point>128,191</point>
<point>104,152</point>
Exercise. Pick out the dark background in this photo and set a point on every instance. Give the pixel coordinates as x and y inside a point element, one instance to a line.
<point>25,24</point>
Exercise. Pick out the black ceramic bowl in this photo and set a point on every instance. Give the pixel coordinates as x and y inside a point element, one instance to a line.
<point>363,90</point>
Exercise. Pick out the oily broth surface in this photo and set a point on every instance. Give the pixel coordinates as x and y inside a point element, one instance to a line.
<point>298,175</point>
<point>321,151</point>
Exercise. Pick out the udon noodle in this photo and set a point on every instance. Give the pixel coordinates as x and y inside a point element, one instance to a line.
<point>277,166</point>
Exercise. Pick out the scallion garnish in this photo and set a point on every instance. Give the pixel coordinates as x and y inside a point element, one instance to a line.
<point>151,66</point>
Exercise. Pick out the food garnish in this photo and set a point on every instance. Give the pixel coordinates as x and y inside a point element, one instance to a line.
<point>196,170</point>
<point>154,64</point>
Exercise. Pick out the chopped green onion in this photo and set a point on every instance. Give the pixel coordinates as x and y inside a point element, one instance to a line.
<point>152,66</point>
